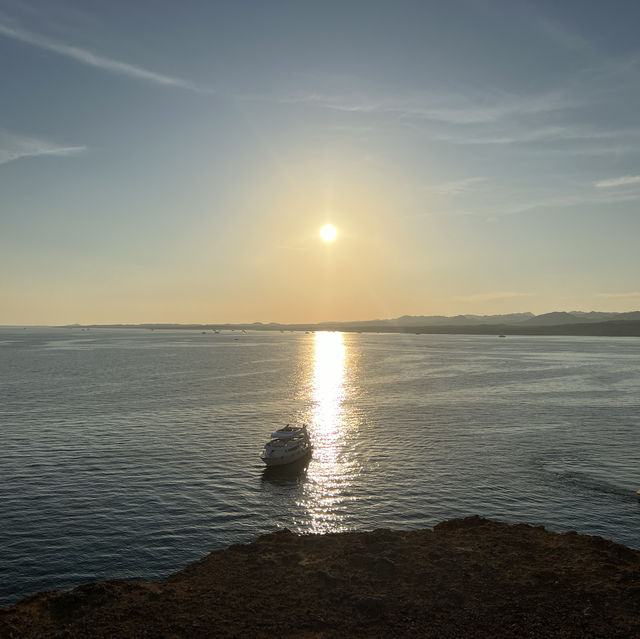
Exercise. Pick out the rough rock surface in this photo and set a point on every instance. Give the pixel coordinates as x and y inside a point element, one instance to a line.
<point>465,578</point>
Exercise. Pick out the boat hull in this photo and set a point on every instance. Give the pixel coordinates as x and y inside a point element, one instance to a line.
<point>285,460</point>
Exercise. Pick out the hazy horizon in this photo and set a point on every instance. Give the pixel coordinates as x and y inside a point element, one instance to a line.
<point>328,321</point>
<point>169,163</point>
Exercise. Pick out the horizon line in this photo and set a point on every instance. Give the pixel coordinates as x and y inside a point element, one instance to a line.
<point>311,323</point>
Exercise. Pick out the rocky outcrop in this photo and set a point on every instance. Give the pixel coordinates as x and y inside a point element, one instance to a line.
<point>465,578</point>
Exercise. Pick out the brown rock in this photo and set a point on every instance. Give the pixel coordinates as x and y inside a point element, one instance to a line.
<point>466,578</point>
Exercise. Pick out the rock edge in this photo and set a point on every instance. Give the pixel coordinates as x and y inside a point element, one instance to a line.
<point>465,578</point>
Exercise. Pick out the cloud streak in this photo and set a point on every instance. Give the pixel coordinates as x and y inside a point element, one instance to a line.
<point>13,147</point>
<point>450,108</point>
<point>624,180</point>
<point>457,187</point>
<point>518,134</point>
<point>583,198</point>
<point>86,57</point>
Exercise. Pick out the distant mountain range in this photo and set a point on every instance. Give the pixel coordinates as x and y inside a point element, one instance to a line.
<point>556,323</point>
<point>521,319</point>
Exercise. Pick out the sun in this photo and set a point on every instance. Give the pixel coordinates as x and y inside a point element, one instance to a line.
<point>328,232</point>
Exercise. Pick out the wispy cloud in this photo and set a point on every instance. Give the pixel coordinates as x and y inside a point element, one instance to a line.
<point>457,187</point>
<point>538,122</point>
<point>13,147</point>
<point>84,56</point>
<point>624,180</point>
<point>452,108</point>
<point>581,198</point>
<point>515,133</point>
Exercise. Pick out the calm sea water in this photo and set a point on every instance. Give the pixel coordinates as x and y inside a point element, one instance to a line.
<point>130,453</point>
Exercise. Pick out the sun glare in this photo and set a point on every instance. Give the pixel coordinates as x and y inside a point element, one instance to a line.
<point>328,232</point>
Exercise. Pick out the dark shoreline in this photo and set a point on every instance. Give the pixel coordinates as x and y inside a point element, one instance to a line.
<point>612,328</point>
<point>465,578</point>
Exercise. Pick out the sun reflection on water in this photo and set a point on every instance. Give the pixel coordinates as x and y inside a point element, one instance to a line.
<point>331,422</point>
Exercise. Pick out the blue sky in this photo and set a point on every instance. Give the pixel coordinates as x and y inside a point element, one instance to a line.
<point>174,161</point>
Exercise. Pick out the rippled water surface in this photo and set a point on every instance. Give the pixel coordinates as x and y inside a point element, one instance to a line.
<point>130,453</point>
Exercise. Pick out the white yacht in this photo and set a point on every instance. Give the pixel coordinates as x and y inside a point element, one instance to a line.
<point>287,445</point>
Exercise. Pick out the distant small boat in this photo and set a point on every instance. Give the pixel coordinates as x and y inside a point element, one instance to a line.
<point>501,335</point>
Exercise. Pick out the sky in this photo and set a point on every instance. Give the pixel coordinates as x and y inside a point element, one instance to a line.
<point>174,162</point>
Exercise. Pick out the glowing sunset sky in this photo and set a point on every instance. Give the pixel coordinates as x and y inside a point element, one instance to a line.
<point>175,162</point>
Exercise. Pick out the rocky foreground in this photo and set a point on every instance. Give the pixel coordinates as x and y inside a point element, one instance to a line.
<point>465,578</point>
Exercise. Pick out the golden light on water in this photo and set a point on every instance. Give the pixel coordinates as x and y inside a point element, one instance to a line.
<point>333,465</point>
<point>328,381</point>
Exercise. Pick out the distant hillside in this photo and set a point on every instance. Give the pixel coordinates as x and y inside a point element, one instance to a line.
<point>457,320</point>
<point>598,316</point>
<point>557,323</point>
<point>552,319</point>
<point>501,319</point>
<point>620,328</point>
<point>521,319</point>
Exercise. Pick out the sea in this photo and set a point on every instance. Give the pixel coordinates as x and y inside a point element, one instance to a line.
<point>129,453</point>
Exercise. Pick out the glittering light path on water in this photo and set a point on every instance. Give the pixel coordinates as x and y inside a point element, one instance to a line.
<point>333,468</point>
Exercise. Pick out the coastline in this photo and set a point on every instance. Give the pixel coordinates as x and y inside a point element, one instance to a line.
<point>465,578</point>
<point>620,328</point>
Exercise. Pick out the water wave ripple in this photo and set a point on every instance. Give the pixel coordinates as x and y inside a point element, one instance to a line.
<point>130,453</point>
